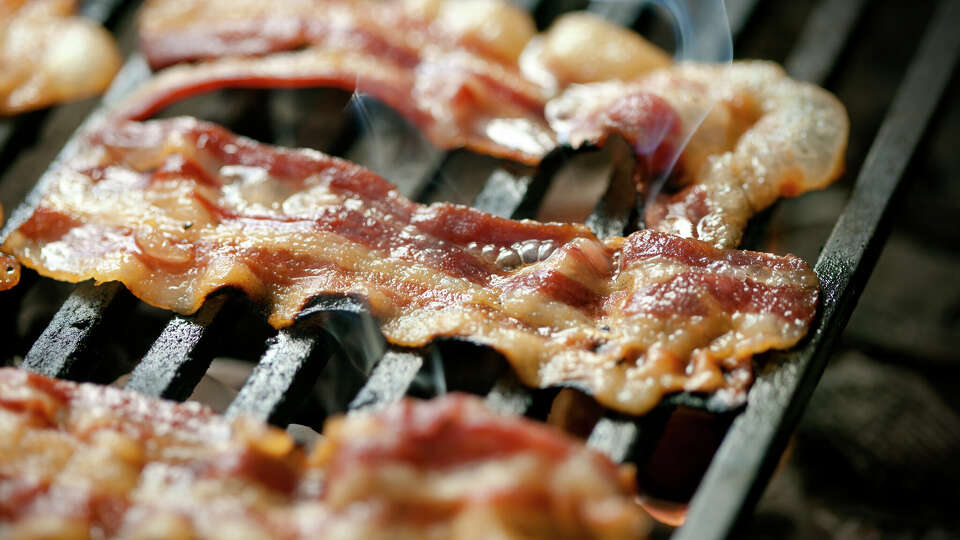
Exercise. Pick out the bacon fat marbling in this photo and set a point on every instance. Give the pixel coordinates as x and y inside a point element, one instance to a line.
<point>86,461</point>
<point>765,136</point>
<point>176,209</point>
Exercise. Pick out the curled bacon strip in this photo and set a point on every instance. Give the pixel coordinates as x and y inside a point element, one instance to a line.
<point>78,460</point>
<point>49,56</point>
<point>176,209</point>
<point>766,136</point>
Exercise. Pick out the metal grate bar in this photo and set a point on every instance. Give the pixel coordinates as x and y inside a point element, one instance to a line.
<point>749,452</point>
<point>613,212</point>
<point>509,396</point>
<point>823,38</point>
<point>388,381</point>
<point>510,195</point>
<point>283,377</point>
<point>174,365</point>
<point>58,351</point>
<point>614,437</point>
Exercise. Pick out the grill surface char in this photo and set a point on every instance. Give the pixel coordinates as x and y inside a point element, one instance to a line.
<point>293,359</point>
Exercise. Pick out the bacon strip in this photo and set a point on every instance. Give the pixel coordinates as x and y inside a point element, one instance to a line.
<point>49,56</point>
<point>176,209</point>
<point>81,459</point>
<point>457,99</point>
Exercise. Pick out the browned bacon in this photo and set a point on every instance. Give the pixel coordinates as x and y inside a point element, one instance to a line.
<point>176,209</point>
<point>766,136</point>
<point>48,56</point>
<point>80,460</point>
<point>449,67</point>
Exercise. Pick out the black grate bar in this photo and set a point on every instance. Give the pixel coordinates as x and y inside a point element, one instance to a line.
<point>613,212</point>
<point>389,380</point>
<point>823,38</point>
<point>508,395</point>
<point>614,437</point>
<point>749,452</point>
<point>173,366</point>
<point>510,195</point>
<point>59,349</point>
<point>284,376</point>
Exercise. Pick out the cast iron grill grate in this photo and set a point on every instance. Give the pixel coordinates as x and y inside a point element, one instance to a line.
<point>294,358</point>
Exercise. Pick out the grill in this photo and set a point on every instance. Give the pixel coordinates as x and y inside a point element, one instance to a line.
<point>75,344</point>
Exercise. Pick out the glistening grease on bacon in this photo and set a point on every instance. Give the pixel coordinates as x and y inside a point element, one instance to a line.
<point>82,461</point>
<point>176,209</point>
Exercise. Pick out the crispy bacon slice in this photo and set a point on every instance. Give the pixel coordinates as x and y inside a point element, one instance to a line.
<point>49,56</point>
<point>81,459</point>
<point>176,209</point>
<point>766,136</point>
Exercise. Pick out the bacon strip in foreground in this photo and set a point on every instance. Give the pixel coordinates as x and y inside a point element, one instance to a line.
<point>176,209</point>
<point>765,137</point>
<point>81,460</point>
<point>49,56</point>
